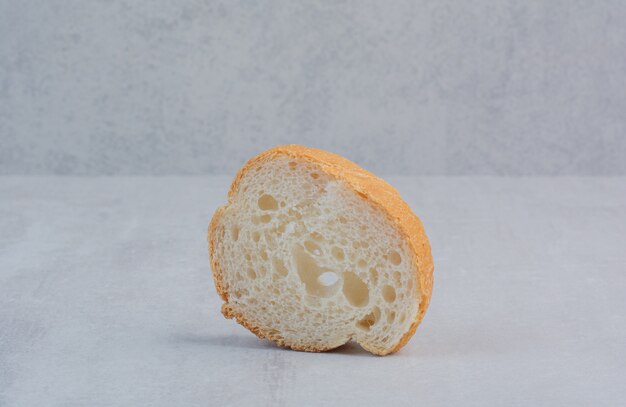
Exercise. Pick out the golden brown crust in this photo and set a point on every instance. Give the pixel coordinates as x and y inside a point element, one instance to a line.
<point>215,266</point>
<point>382,195</point>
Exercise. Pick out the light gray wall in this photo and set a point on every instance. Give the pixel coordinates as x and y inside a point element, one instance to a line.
<point>416,87</point>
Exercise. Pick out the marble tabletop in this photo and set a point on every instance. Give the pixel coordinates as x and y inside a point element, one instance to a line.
<point>106,299</point>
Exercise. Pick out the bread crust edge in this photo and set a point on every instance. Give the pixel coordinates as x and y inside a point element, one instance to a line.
<point>368,186</point>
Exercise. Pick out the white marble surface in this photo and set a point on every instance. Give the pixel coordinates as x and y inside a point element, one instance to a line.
<point>106,299</point>
<point>152,87</point>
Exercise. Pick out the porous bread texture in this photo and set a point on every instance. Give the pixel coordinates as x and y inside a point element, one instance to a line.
<point>303,258</point>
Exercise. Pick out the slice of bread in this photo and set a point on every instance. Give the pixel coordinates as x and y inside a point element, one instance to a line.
<point>312,251</point>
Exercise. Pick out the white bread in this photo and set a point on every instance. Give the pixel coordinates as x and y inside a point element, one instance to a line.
<point>312,251</point>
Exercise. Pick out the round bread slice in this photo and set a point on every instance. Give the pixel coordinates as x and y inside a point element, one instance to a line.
<point>312,251</point>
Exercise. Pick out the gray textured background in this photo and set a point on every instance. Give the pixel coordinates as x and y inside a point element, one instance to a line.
<point>417,87</point>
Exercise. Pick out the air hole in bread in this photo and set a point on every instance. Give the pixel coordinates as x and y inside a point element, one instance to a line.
<point>362,264</point>
<point>337,253</point>
<point>328,278</point>
<point>251,274</point>
<point>293,165</point>
<point>234,232</point>
<point>391,315</point>
<point>256,236</point>
<point>305,203</point>
<point>394,258</point>
<point>355,290</point>
<point>313,248</point>
<point>374,276</point>
<point>369,320</point>
<point>267,203</point>
<point>279,267</point>
<point>265,218</point>
<point>294,214</point>
<point>309,272</point>
<point>389,293</point>
<point>315,175</point>
<point>241,293</point>
<point>317,236</point>
<point>263,254</point>
<point>342,219</point>
<point>397,277</point>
